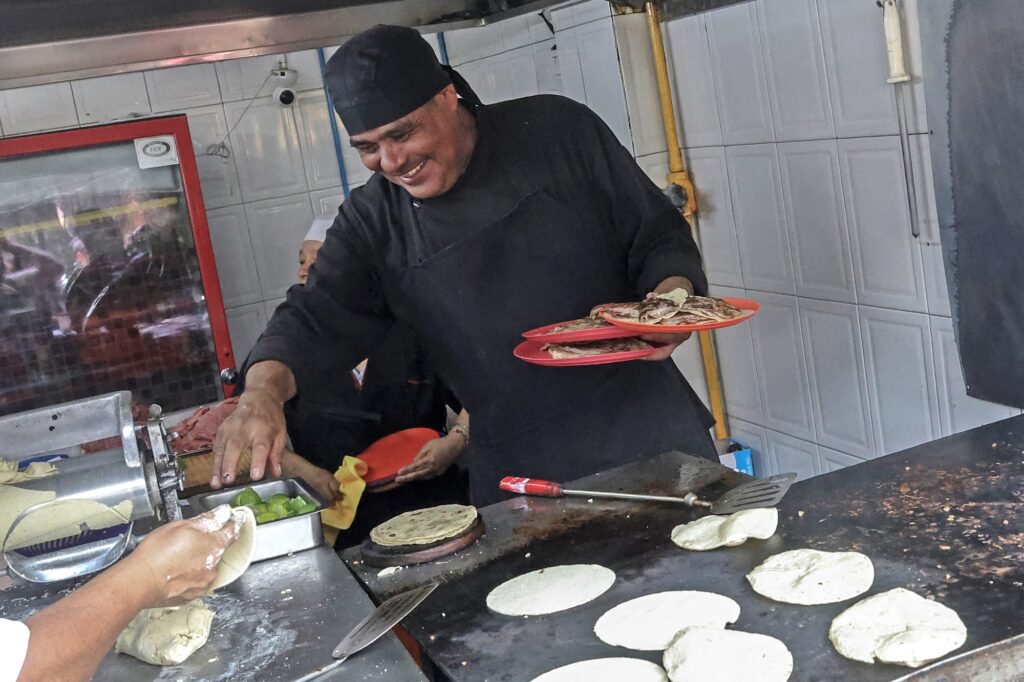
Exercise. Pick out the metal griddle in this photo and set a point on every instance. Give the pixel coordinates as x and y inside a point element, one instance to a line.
<point>931,518</point>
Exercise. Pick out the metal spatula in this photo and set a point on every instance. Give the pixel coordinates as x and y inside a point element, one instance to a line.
<point>370,629</point>
<point>761,492</point>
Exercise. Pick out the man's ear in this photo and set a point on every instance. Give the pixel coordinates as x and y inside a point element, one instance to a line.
<point>448,97</point>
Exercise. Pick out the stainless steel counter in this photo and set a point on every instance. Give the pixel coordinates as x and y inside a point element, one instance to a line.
<point>278,622</point>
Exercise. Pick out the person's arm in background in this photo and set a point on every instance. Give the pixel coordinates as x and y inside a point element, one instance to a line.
<point>294,465</point>
<point>437,455</point>
<point>323,328</point>
<point>170,567</point>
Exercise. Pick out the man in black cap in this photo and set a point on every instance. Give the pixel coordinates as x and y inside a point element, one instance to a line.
<point>480,222</point>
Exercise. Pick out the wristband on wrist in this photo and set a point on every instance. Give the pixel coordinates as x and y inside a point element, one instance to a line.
<point>461,429</point>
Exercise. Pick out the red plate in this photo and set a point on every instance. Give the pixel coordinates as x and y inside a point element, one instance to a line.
<point>742,303</point>
<point>387,456</point>
<point>530,351</point>
<point>544,334</point>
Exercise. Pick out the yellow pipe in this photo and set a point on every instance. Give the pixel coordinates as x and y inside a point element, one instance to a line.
<point>678,175</point>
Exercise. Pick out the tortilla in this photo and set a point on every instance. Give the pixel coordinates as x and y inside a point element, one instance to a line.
<point>550,590</point>
<point>606,670</point>
<point>706,653</point>
<point>712,532</point>
<point>562,351</point>
<point>238,556</point>
<point>14,500</point>
<point>651,622</point>
<point>9,471</point>
<point>671,309</point>
<point>580,324</point>
<point>899,627</point>
<point>424,526</point>
<point>809,576</point>
<point>64,518</point>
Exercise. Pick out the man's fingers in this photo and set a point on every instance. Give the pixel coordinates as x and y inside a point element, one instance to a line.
<point>260,453</point>
<point>661,353</point>
<point>229,463</point>
<point>277,454</point>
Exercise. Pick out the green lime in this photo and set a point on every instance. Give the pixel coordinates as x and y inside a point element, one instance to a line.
<point>277,508</point>
<point>278,497</point>
<point>246,498</point>
<point>295,503</point>
<point>266,517</point>
<point>260,508</point>
<point>307,509</point>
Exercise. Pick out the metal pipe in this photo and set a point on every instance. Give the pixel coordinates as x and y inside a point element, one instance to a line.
<point>678,175</point>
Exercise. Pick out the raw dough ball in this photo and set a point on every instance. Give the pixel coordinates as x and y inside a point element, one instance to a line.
<point>166,636</point>
<point>606,670</point>
<point>712,532</point>
<point>550,589</point>
<point>64,518</point>
<point>238,555</point>
<point>649,623</point>
<point>704,653</point>
<point>808,576</point>
<point>424,526</point>
<point>897,626</point>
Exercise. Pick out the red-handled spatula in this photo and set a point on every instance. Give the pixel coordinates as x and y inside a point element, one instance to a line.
<point>761,492</point>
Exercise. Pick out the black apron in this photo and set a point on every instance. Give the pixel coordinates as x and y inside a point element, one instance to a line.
<point>542,262</point>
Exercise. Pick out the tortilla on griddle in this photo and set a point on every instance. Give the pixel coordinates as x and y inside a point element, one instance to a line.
<point>425,526</point>
<point>564,351</point>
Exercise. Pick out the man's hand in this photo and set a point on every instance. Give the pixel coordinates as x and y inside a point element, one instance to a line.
<point>180,560</point>
<point>668,342</point>
<point>433,459</point>
<point>257,424</point>
<point>322,480</point>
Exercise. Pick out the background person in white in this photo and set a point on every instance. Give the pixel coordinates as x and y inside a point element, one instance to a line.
<point>67,640</point>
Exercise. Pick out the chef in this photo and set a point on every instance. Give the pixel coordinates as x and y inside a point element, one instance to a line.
<point>480,222</point>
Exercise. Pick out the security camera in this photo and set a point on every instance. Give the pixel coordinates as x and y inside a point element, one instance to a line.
<point>284,96</point>
<point>284,80</point>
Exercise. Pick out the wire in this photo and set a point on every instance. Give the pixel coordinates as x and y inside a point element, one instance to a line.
<point>220,148</point>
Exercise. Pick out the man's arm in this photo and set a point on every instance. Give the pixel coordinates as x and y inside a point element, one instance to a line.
<point>437,455</point>
<point>323,329</point>
<point>172,566</point>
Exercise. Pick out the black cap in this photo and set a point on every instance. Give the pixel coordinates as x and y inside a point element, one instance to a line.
<point>381,75</point>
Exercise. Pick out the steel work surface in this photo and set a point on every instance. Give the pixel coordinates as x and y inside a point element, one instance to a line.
<point>943,519</point>
<point>279,621</point>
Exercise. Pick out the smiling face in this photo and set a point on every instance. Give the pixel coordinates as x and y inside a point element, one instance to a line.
<point>424,152</point>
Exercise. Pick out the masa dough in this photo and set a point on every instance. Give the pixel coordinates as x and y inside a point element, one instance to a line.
<point>166,636</point>
<point>238,555</point>
<point>9,471</point>
<point>704,653</point>
<point>549,590</point>
<point>897,626</point>
<point>424,526</point>
<point>712,532</point>
<point>606,670</point>
<point>14,500</point>
<point>809,576</point>
<point>649,623</point>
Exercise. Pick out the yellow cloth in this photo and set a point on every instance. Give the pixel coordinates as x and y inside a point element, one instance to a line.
<point>350,478</point>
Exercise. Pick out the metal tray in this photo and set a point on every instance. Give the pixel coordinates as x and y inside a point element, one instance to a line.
<point>274,538</point>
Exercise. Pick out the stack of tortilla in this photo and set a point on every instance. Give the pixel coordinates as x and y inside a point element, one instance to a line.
<point>425,526</point>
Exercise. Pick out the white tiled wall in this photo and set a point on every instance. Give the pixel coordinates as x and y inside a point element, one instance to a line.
<point>791,137</point>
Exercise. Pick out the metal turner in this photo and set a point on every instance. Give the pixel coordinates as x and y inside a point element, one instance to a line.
<point>760,492</point>
<point>370,629</point>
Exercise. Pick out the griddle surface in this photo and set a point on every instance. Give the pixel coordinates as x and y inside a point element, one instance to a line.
<point>944,519</point>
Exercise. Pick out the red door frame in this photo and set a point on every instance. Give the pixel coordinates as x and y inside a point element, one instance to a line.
<point>127,131</point>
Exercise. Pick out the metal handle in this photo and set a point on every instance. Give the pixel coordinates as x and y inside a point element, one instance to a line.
<point>530,486</point>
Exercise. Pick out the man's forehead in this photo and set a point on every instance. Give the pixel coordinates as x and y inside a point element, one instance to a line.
<point>385,130</point>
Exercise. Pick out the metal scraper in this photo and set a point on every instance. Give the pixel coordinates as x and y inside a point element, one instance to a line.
<point>371,628</point>
<point>760,492</point>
